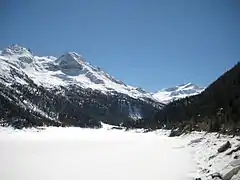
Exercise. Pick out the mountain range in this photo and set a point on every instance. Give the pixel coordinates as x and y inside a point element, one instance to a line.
<point>68,90</point>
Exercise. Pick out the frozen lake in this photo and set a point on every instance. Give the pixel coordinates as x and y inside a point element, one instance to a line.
<point>74,153</point>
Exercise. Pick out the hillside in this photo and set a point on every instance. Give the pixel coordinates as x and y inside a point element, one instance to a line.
<point>215,109</point>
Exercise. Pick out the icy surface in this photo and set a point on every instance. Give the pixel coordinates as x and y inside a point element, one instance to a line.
<point>74,153</point>
<point>107,153</point>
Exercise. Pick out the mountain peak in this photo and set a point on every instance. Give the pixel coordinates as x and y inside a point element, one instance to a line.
<point>70,60</point>
<point>186,84</point>
<point>177,92</point>
<point>74,55</point>
<point>189,86</point>
<point>16,49</point>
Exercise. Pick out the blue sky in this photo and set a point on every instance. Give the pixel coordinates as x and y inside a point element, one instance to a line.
<point>147,43</point>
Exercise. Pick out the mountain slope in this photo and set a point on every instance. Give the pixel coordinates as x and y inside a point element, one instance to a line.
<point>215,109</point>
<point>181,91</point>
<point>65,91</point>
<point>70,68</point>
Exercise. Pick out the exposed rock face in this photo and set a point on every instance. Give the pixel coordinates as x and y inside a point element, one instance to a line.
<point>233,169</point>
<point>231,173</point>
<point>236,176</point>
<point>224,147</point>
<point>234,150</point>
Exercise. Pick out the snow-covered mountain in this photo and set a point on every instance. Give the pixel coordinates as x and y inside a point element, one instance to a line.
<point>65,91</point>
<point>69,90</point>
<point>68,69</point>
<point>71,68</point>
<point>177,92</point>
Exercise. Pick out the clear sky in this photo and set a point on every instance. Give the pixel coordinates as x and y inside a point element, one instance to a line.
<point>147,43</point>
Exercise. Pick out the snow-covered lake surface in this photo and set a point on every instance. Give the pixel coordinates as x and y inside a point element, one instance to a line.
<point>90,154</point>
<point>74,153</point>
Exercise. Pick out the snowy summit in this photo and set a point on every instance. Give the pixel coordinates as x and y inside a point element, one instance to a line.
<point>177,92</point>
<point>70,68</point>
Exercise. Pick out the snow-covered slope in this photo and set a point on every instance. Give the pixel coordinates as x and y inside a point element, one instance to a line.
<point>66,90</point>
<point>177,92</point>
<point>68,69</point>
<point>71,69</point>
